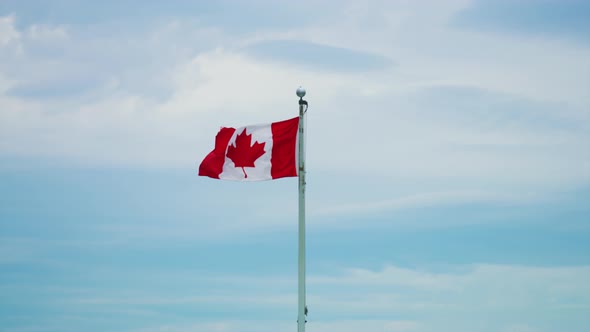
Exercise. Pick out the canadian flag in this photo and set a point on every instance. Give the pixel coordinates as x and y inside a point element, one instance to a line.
<point>254,153</point>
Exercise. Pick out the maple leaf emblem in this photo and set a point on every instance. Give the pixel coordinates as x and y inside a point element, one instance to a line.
<point>243,154</point>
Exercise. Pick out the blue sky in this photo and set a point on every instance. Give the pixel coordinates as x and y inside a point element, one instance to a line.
<point>448,166</point>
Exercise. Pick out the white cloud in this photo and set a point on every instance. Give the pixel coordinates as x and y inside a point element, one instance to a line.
<point>8,32</point>
<point>430,50</point>
<point>422,200</point>
<point>372,114</point>
<point>223,81</point>
<point>47,33</point>
<point>479,297</point>
<point>490,296</point>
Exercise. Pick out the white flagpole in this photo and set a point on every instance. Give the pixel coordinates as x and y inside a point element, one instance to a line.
<point>302,309</point>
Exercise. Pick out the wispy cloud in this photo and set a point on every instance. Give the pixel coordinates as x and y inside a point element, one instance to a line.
<point>394,298</point>
<point>552,19</point>
<point>8,32</point>
<point>318,57</point>
<point>423,200</point>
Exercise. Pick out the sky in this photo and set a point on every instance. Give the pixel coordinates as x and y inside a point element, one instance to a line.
<point>448,165</point>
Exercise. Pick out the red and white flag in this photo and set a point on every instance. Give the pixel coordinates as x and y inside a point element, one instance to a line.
<point>254,153</point>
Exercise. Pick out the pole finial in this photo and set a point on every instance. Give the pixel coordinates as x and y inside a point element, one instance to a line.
<point>300,92</point>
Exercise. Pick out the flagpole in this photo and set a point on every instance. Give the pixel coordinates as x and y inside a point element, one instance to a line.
<point>302,309</point>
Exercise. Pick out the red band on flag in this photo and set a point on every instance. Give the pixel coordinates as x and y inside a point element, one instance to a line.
<point>284,136</point>
<point>212,165</point>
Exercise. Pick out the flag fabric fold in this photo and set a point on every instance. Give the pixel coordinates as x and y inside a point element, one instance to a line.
<point>254,153</point>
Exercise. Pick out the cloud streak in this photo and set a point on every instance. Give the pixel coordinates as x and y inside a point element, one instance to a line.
<point>389,299</point>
